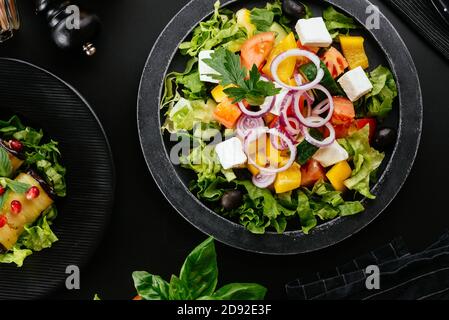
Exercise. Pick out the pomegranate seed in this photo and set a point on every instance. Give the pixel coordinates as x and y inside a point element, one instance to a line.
<point>32,193</point>
<point>16,145</point>
<point>3,221</point>
<point>16,207</point>
<point>2,190</point>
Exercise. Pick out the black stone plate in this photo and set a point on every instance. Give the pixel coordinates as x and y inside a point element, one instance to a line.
<point>42,100</point>
<point>384,46</point>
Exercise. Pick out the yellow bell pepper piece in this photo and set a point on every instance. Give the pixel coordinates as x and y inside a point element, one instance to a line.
<point>354,51</point>
<point>287,67</point>
<point>288,180</point>
<point>218,93</point>
<point>254,171</point>
<point>244,20</point>
<point>338,174</point>
<point>265,154</point>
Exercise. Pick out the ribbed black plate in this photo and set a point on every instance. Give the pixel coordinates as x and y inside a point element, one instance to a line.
<point>44,101</point>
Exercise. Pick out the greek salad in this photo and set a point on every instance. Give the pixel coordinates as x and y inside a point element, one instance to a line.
<point>31,179</point>
<point>299,108</point>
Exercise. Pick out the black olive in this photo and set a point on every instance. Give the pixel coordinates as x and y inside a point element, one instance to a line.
<point>384,138</point>
<point>232,199</point>
<point>294,9</point>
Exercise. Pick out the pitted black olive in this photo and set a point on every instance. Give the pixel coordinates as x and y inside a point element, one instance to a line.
<point>385,138</point>
<point>294,9</point>
<point>232,199</point>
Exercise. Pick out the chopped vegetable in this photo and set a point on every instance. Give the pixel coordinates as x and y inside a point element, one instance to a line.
<point>337,22</point>
<point>244,21</point>
<point>344,112</point>
<point>256,50</point>
<point>227,113</point>
<point>338,174</point>
<point>309,72</point>
<point>312,172</point>
<point>288,180</point>
<point>379,102</point>
<point>354,51</point>
<point>287,67</point>
<point>335,62</point>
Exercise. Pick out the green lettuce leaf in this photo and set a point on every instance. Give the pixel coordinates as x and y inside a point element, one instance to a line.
<point>38,237</point>
<point>306,216</point>
<point>337,22</point>
<point>379,102</point>
<point>220,29</point>
<point>262,18</point>
<point>185,114</point>
<point>16,255</point>
<point>366,161</point>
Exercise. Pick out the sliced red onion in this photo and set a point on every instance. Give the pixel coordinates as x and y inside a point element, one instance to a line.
<point>314,122</point>
<point>317,143</point>
<point>286,122</point>
<point>278,145</point>
<point>283,100</point>
<point>245,124</point>
<point>321,108</point>
<point>263,180</point>
<point>264,108</point>
<point>255,134</point>
<point>297,53</point>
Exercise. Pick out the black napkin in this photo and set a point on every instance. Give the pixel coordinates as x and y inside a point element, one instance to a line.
<point>403,275</point>
<point>426,20</point>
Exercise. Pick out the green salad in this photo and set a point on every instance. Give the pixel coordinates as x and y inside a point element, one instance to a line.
<point>31,179</point>
<point>283,115</point>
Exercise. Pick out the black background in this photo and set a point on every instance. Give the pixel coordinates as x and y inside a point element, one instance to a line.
<point>145,233</point>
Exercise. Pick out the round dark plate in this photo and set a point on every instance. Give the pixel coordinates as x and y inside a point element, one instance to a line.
<point>383,46</point>
<point>44,101</point>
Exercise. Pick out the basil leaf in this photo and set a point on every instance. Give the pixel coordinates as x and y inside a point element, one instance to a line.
<point>150,287</point>
<point>178,289</point>
<point>15,186</point>
<point>241,291</point>
<point>5,163</point>
<point>200,270</point>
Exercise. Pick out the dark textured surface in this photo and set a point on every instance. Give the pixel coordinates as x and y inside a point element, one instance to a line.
<point>384,46</point>
<point>45,102</point>
<point>161,239</point>
<point>427,21</point>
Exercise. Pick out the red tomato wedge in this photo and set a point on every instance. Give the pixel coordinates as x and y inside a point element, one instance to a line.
<point>344,112</point>
<point>256,50</point>
<point>335,62</point>
<point>361,123</point>
<point>311,172</point>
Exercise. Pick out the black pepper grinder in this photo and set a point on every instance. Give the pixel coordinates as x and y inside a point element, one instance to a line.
<point>67,31</point>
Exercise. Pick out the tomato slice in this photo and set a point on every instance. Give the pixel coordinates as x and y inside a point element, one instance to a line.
<point>344,112</point>
<point>361,123</point>
<point>256,50</point>
<point>311,172</point>
<point>335,62</point>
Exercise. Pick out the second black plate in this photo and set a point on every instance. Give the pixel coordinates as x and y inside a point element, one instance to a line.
<point>42,100</point>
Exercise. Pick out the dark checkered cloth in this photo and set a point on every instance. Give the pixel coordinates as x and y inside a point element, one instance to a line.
<point>403,276</point>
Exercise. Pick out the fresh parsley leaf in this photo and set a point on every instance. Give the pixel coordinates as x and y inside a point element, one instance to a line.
<point>253,90</point>
<point>5,163</point>
<point>15,186</point>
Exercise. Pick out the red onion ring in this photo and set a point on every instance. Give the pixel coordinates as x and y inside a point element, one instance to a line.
<point>297,53</point>
<point>263,180</point>
<point>245,124</point>
<point>255,134</point>
<point>264,108</point>
<point>321,108</point>
<point>314,122</point>
<point>320,144</point>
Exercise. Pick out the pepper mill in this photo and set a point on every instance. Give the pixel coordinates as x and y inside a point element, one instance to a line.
<point>67,31</point>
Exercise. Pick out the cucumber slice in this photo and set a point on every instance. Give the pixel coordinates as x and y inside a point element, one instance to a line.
<point>309,72</point>
<point>280,32</point>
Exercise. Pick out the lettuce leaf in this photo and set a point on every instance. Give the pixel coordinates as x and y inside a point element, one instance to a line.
<point>366,161</point>
<point>379,102</point>
<point>39,236</point>
<point>220,29</point>
<point>306,216</point>
<point>16,255</point>
<point>337,22</point>
<point>185,114</point>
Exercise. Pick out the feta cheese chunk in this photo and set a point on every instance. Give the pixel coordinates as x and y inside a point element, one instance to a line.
<point>204,69</point>
<point>330,155</point>
<point>313,32</point>
<point>230,153</point>
<point>355,83</point>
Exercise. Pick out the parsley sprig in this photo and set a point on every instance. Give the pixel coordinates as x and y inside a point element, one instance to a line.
<point>232,73</point>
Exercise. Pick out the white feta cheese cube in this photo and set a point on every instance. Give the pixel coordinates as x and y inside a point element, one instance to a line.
<point>330,155</point>
<point>313,32</point>
<point>204,69</point>
<point>230,153</point>
<point>355,84</point>
<point>276,110</point>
